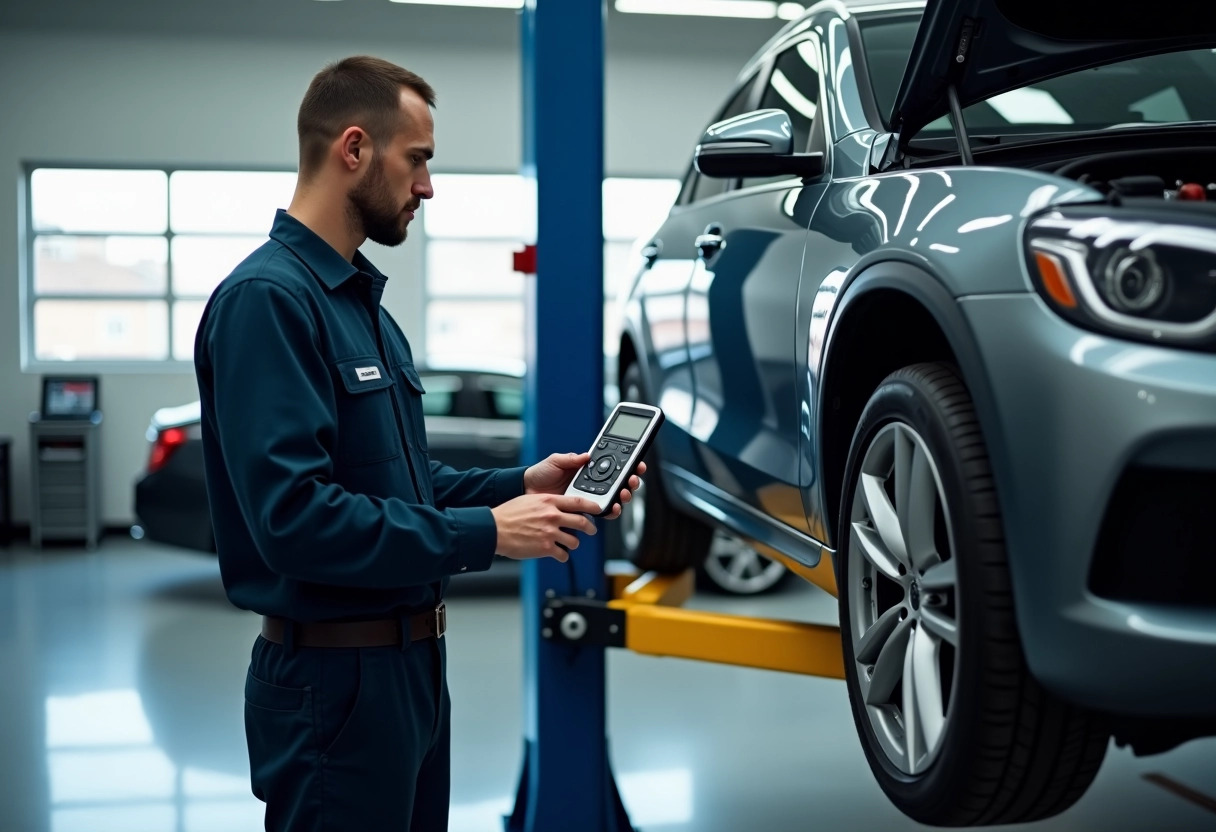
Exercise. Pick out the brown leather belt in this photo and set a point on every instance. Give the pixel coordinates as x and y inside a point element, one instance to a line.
<point>384,632</point>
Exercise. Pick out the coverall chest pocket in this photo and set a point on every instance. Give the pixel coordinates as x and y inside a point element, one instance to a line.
<point>412,390</point>
<point>367,420</point>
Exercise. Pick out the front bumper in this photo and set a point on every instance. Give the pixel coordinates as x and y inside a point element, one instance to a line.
<point>1077,418</point>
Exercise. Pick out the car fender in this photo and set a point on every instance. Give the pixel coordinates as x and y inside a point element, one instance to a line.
<point>913,279</point>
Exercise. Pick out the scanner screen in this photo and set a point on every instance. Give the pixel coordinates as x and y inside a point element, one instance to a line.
<point>628,426</point>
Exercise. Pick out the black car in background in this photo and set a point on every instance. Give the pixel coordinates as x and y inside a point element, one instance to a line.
<point>473,420</point>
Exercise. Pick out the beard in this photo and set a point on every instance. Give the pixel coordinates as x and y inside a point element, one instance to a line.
<point>372,209</point>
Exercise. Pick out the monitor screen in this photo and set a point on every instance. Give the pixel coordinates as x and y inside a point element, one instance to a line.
<point>628,426</point>
<point>65,398</point>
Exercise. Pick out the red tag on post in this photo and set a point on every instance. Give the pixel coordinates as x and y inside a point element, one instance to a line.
<point>524,261</point>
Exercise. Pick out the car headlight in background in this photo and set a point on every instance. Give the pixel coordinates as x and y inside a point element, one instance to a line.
<point>1148,280</point>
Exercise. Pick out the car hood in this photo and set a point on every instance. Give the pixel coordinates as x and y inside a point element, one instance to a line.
<point>987,47</point>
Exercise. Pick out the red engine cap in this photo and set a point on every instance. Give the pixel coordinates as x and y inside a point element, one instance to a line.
<point>1192,192</point>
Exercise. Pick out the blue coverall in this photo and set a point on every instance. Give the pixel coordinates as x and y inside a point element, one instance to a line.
<point>326,507</point>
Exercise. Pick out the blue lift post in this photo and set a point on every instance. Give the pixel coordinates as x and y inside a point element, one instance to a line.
<point>567,781</point>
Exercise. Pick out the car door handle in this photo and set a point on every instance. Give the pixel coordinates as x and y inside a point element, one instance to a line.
<point>711,240</point>
<point>710,244</point>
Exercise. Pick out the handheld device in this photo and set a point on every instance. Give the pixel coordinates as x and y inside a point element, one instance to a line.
<point>615,454</point>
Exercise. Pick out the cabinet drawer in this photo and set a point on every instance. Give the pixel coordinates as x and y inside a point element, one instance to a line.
<point>63,473</point>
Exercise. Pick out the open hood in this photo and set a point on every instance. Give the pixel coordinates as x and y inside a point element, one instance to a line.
<point>987,47</point>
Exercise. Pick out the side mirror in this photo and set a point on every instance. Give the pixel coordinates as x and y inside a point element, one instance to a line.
<point>760,143</point>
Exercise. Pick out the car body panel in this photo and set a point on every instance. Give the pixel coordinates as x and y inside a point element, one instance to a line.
<point>1061,466</point>
<point>741,340</point>
<point>948,239</point>
<point>171,503</point>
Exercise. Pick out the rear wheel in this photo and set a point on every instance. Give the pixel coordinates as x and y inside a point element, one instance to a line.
<point>955,729</point>
<point>735,568</point>
<point>653,534</point>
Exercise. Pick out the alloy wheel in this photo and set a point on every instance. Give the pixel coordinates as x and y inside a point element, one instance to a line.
<point>903,597</point>
<point>739,569</point>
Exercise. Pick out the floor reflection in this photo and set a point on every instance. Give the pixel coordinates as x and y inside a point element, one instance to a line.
<point>121,710</point>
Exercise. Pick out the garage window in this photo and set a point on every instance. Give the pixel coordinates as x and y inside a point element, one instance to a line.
<point>475,302</point>
<point>120,262</point>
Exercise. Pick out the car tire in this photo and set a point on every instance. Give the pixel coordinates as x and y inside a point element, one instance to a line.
<point>654,536</point>
<point>928,625</point>
<point>733,567</point>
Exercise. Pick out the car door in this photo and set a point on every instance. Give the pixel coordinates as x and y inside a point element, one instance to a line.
<point>502,431</point>
<point>741,310</point>
<point>661,295</point>
<point>473,418</point>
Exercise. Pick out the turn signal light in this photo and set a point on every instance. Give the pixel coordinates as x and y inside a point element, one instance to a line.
<point>1054,279</point>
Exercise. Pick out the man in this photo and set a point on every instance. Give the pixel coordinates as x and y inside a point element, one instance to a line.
<point>330,519</point>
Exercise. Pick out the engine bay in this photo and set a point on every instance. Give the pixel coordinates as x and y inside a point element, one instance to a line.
<point>1173,174</point>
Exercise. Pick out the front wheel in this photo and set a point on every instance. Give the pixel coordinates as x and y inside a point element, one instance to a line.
<point>954,727</point>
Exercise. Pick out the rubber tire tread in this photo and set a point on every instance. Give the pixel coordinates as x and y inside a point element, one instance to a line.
<point>1035,755</point>
<point>671,542</point>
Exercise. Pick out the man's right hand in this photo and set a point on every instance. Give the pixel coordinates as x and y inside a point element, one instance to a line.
<point>533,526</point>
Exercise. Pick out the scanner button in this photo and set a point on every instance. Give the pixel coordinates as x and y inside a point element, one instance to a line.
<point>603,445</point>
<point>605,465</point>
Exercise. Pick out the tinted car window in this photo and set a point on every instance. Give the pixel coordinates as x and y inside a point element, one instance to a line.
<point>793,87</point>
<point>888,45</point>
<point>441,394</point>
<point>506,396</point>
<point>705,187</point>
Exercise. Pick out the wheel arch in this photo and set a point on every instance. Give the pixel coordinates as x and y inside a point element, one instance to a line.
<point>920,321</point>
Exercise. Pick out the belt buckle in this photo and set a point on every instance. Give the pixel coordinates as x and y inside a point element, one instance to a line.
<point>441,620</point>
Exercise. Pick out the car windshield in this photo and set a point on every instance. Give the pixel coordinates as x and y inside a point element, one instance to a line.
<point>1160,89</point>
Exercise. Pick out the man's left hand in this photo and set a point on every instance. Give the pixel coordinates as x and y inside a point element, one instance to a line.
<point>554,475</point>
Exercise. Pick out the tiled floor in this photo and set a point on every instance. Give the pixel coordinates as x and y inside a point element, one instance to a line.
<point>121,703</point>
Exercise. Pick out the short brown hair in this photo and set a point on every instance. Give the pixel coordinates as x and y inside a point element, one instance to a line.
<point>360,90</point>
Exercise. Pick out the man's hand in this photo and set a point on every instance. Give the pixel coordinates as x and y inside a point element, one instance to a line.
<point>554,475</point>
<point>535,525</point>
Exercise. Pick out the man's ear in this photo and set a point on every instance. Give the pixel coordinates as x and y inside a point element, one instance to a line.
<point>353,145</point>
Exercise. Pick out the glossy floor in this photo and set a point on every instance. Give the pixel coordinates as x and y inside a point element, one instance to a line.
<point>120,711</point>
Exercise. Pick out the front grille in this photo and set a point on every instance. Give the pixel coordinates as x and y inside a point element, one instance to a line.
<point>1158,539</point>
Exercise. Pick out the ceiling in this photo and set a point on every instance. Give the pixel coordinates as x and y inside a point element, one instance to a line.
<point>373,20</point>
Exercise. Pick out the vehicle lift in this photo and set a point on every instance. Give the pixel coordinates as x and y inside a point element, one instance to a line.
<point>567,782</point>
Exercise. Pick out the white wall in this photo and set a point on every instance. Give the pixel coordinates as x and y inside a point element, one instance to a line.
<point>140,99</point>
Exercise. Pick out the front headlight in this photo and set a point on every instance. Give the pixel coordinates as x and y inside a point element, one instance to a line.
<point>1151,281</point>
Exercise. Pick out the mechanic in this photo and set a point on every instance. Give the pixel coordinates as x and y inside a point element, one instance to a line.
<point>330,519</point>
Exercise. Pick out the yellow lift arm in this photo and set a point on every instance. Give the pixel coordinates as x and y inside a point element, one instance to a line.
<point>645,616</point>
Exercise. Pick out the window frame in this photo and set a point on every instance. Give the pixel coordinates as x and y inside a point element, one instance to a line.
<point>29,297</point>
<point>427,238</point>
